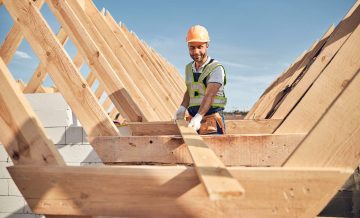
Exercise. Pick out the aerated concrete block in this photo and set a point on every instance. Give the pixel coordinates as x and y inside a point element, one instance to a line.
<point>4,174</point>
<point>4,187</point>
<point>13,189</point>
<point>75,153</point>
<point>3,154</point>
<point>56,134</point>
<point>73,135</point>
<point>12,204</point>
<point>18,215</point>
<point>51,109</point>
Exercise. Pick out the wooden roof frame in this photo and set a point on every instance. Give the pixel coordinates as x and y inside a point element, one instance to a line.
<point>307,179</point>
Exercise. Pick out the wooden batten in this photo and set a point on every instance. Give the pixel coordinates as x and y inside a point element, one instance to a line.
<point>63,72</point>
<point>21,133</point>
<point>216,178</point>
<point>168,81</point>
<point>334,141</point>
<point>132,62</point>
<point>99,59</point>
<point>173,191</point>
<point>142,59</point>
<point>333,44</point>
<point>232,150</point>
<point>14,39</point>
<point>296,77</point>
<point>327,86</point>
<point>232,127</point>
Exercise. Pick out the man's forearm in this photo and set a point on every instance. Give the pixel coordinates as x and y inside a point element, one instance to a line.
<point>186,100</point>
<point>206,104</point>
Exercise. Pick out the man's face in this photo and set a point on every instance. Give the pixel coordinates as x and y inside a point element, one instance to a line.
<point>198,50</point>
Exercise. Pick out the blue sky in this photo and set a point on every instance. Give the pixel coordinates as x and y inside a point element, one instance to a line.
<point>254,39</point>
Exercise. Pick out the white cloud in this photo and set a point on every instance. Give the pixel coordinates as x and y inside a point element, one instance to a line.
<point>22,55</point>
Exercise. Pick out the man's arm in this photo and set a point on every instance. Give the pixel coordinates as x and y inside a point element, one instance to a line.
<point>211,91</point>
<point>186,100</point>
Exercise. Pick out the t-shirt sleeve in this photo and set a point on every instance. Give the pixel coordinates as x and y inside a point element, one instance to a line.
<point>217,76</point>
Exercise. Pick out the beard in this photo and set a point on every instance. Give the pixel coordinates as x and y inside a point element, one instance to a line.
<point>198,58</point>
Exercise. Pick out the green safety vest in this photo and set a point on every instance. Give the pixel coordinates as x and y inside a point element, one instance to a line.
<point>197,89</point>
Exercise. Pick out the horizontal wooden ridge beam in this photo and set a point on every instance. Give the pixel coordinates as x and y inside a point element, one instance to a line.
<point>174,191</point>
<point>233,150</point>
<point>262,126</point>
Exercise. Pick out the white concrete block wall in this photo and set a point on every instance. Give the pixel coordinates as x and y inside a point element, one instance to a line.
<point>70,139</point>
<point>70,144</point>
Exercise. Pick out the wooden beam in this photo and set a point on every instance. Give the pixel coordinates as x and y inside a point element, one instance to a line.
<point>334,140</point>
<point>232,150</point>
<point>217,180</point>
<point>232,127</point>
<point>40,73</point>
<point>163,77</point>
<point>315,102</point>
<point>63,72</point>
<point>333,44</point>
<point>173,191</point>
<point>21,133</point>
<point>14,39</point>
<point>98,56</point>
<point>132,62</point>
<point>297,76</point>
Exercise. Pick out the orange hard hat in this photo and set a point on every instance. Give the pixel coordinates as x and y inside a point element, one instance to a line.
<point>197,33</point>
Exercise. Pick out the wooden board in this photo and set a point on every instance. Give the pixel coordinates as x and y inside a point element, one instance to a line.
<point>40,73</point>
<point>232,150</point>
<point>218,181</point>
<point>232,127</point>
<point>334,141</point>
<point>21,133</point>
<point>173,191</point>
<point>332,81</point>
<point>170,88</point>
<point>131,61</point>
<point>62,70</point>
<point>14,39</point>
<point>101,61</point>
<point>333,44</point>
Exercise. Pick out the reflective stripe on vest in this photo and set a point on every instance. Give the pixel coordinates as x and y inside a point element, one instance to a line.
<point>197,89</point>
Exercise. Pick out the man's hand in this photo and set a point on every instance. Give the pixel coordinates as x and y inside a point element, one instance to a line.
<point>196,122</point>
<point>180,113</point>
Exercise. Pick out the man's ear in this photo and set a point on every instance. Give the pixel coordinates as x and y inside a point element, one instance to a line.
<point>207,45</point>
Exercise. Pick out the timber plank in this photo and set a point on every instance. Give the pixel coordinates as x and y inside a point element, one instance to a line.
<point>261,126</point>
<point>40,73</point>
<point>172,191</point>
<point>131,61</point>
<point>218,181</point>
<point>21,133</point>
<point>333,44</point>
<point>297,76</point>
<point>99,58</point>
<point>63,72</point>
<point>142,58</point>
<point>232,150</point>
<point>14,39</point>
<point>332,81</point>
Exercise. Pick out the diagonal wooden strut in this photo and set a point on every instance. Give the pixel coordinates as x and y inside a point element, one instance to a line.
<point>218,181</point>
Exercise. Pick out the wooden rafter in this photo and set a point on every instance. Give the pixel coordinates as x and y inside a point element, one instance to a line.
<point>63,72</point>
<point>21,133</point>
<point>98,60</point>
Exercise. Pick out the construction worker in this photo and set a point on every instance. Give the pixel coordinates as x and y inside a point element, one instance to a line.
<point>205,80</point>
